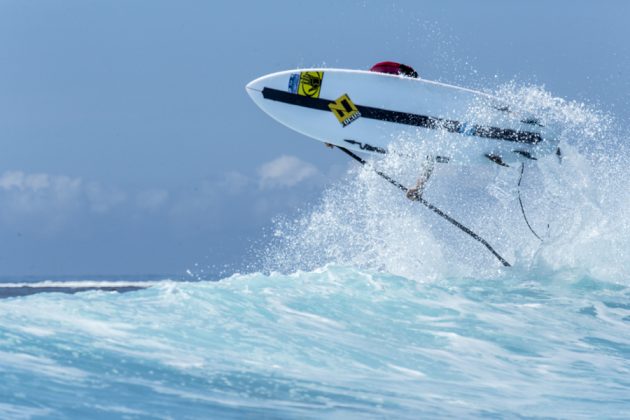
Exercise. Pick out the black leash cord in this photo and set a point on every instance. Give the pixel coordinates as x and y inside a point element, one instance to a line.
<point>521,203</point>
<point>432,208</point>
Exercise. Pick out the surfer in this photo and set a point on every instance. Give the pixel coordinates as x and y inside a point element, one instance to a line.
<point>415,193</point>
<point>391,67</point>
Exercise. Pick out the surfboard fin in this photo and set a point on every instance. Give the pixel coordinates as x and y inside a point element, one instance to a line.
<point>532,121</point>
<point>525,154</point>
<point>497,159</point>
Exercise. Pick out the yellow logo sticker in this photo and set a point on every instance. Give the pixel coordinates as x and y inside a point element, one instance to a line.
<point>310,83</point>
<point>345,111</point>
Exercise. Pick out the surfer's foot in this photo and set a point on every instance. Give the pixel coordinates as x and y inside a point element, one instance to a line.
<point>414,194</point>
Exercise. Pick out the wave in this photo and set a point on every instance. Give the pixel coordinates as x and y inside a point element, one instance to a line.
<point>336,342</point>
<point>49,286</point>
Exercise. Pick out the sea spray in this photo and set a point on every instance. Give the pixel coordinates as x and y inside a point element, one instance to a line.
<point>576,201</point>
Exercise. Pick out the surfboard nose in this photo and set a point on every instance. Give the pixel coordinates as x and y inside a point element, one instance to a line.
<point>258,84</point>
<point>253,85</point>
<point>278,81</point>
<point>251,91</point>
<point>254,90</point>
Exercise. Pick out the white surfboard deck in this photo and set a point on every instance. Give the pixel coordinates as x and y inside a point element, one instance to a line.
<point>451,123</point>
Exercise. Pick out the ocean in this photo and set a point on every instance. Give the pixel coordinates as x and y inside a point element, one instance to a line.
<point>365,304</point>
<point>337,342</point>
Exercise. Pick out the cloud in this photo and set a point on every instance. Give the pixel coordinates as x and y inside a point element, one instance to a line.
<point>102,199</point>
<point>234,182</point>
<point>285,171</point>
<point>151,199</point>
<point>29,193</point>
<point>18,181</point>
<point>39,201</point>
<point>53,200</point>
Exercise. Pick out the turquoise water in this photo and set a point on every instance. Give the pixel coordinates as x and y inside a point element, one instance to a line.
<point>336,342</point>
<point>366,305</point>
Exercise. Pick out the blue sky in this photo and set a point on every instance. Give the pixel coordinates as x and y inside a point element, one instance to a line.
<point>129,145</point>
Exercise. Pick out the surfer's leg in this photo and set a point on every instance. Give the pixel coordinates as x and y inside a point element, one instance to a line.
<point>415,193</point>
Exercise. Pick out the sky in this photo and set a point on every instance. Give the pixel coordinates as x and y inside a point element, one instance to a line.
<point>130,147</point>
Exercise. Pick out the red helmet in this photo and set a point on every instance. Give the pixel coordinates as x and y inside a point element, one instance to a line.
<point>391,67</point>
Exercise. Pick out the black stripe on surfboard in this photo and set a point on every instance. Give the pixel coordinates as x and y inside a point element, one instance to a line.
<point>406,118</point>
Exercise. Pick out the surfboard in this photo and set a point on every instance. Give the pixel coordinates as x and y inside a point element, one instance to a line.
<point>368,112</point>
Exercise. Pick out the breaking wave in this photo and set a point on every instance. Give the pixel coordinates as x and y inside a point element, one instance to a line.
<point>335,342</point>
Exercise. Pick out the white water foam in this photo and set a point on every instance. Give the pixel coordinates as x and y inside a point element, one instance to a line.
<point>577,204</point>
<point>334,342</point>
